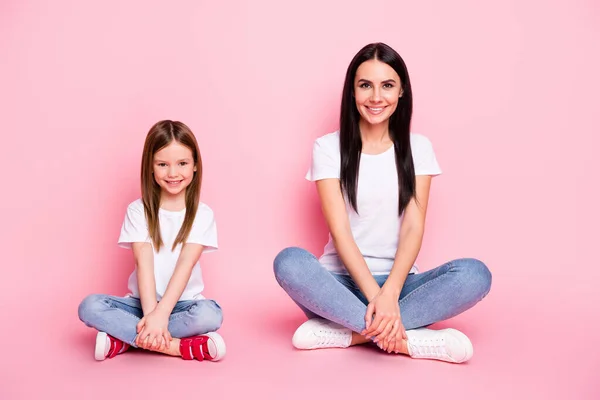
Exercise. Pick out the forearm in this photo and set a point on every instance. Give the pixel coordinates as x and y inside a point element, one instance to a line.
<point>408,249</point>
<point>356,266</point>
<point>145,277</point>
<point>147,288</point>
<point>180,278</point>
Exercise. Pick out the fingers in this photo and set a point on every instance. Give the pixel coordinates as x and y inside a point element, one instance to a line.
<point>387,328</point>
<point>374,325</point>
<point>155,341</point>
<point>159,343</point>
<point>139,338</point>
<point>145,339</point>
<point>379,324</point>
<point>140,325</point>
<point>166,341</point>
<point>369,316</point>
<point>389,336</point>
<point>395,329</point>
<point>398,338</point>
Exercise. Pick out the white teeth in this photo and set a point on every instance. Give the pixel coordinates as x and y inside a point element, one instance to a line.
<point>375,109</point>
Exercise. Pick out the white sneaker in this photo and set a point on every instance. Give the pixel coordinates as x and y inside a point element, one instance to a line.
<point>318,333</point>
<point>446,345</point>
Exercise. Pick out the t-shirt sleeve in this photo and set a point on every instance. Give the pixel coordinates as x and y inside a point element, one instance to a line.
<point>135,227</point>
<point>324,165</point>
<point>204,229</point>
<point>424,157</point>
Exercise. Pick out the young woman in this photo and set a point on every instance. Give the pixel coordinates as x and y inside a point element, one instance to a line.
<point>373,178</point>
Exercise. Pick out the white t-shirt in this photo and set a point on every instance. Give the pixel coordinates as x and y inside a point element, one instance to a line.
<point>204,232</point>
<point>376,229</point>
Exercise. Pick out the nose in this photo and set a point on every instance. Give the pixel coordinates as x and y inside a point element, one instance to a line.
<point>376,95</point>
<point>172,171</point>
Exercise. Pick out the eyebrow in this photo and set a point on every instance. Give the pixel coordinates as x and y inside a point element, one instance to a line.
<point>368,81</point>
<point>163,161</point>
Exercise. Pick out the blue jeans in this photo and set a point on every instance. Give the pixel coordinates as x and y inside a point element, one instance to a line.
<point>119,316</point>
<point>428,297</point>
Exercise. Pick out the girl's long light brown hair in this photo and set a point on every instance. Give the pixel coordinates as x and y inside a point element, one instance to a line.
<point>162,134</point>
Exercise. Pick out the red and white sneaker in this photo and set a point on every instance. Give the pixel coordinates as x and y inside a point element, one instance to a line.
<point>108,346</point>
<point>209,346</point>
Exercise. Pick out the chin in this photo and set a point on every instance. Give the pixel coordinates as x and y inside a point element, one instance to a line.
<point>378,120</point>
<point>173,192</point>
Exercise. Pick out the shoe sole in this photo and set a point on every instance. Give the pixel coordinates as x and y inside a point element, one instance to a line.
<point>216,346</point>
<point>101,338</point>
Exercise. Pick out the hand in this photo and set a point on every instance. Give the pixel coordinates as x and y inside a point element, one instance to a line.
<point>386,327</point>
<point>393,342</point>
<point>153,332</point>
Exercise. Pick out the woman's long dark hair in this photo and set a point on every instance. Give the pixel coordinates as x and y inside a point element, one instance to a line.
<point>399,127</point>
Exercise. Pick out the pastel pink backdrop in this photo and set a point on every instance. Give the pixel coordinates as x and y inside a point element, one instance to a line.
<point>506,91</point>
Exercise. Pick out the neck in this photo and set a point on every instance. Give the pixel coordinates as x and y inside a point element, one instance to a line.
<point>172,202</point>
<point>370,133</point>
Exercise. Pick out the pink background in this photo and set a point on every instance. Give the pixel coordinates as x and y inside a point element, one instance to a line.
<point>506,91</point>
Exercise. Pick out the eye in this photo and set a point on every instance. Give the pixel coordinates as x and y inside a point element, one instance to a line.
<point>388,86</point>
<point>364,86</point>
<point>162,164</point>
<point>183,163</point>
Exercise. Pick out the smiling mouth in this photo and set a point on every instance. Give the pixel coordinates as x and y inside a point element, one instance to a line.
<point>375,110</point>
<point>174,182</point>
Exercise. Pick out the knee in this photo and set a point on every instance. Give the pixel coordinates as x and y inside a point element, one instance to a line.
<point>477,276</point>
<point>207,316</point>
<point>90,307</point>
<point>286,262</point>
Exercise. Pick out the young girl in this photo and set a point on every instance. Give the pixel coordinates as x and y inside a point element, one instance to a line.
<point>373,178</point>
<point>167,229</point>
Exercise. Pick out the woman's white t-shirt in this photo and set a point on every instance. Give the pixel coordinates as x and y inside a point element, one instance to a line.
<point>204,232</point>
<point>376,228</point>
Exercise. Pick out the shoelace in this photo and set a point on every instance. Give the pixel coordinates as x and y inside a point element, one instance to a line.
<point>329,336</point>
<point>428,347</point>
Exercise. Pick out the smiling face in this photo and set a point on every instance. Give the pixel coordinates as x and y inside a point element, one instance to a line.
<point>174,169</point>
<point>377,88</point>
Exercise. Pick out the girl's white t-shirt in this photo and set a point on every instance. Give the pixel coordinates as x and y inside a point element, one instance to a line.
<point>204,232</point>
<point>376,227</point>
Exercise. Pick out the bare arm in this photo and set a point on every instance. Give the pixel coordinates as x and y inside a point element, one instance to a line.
<point>153,333</point>
<point>334,210</point>
<point>411,236</point>
<point>189,256</point>
<point>144,261</point>
<point>387,324</point>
